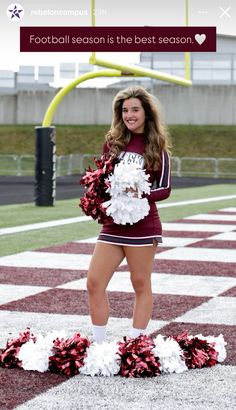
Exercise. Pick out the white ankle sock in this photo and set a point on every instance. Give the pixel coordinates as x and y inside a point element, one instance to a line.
<point>99,333</point>
<point>136,332</point>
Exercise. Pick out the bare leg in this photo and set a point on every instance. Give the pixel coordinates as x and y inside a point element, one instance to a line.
<point>140,261</point>
<point>106,258</point>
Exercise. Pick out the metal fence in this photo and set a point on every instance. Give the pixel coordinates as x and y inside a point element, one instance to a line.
<point>204,167</point>
<point>22,165</point>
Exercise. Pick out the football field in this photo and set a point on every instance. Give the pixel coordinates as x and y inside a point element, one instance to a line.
<point>45,254</point>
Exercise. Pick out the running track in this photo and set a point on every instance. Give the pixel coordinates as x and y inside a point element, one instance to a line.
<point>194,286</point>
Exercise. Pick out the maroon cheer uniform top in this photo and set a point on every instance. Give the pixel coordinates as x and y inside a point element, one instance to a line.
<point>143,232</point>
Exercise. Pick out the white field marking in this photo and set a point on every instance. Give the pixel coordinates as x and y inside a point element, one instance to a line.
<point>199,254</point>
<point>48,260</point>
<point>87,240</point>
<point>226,236</point>
<point>167,241</point>
<point>9,293</point>
<point>230,209</point>
<point>213,217</point>
<point>43,225</point>
<point>177,242</point>
<point>197,201</point>
<point>67,221</point>
<point>188,227</point>
<point>220,310</point>
<point>12,322</point>
<point>165,283</point>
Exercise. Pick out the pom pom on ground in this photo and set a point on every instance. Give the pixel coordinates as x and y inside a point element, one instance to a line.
<point>219,345</point>
<point>169,354</point>
<point>102,360</point>
<point>9,356</point>
<point>198,353</point>
<point>137,357</point>
<point>68,355</point>
<point>34,355</point>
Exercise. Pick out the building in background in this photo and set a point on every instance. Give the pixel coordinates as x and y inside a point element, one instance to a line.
<point>206,68</point>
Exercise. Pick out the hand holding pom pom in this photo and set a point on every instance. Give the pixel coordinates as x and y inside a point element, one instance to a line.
<point>127,209</point>
<point>95,182</point>
<point>126,186</point>
<point>114,192</point>
<point>128,178</point>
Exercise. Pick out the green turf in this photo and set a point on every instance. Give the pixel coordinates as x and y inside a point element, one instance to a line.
<point>28,213</point>
<point>21,214</point>
<point>26,241</point>
<point>186,194</point>
<point>170,214</point>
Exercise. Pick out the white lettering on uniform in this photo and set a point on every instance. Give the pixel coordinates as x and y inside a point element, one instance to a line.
<point>132,158</point>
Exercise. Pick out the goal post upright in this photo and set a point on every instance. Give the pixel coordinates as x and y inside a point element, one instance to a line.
<point>187,55</point>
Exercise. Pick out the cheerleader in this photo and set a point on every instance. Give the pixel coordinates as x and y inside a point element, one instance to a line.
<point>138,138</point>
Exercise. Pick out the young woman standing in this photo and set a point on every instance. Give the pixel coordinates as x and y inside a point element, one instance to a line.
<point>137,137</point>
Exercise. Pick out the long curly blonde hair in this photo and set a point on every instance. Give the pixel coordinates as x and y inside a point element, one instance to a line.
<point>155,132</point>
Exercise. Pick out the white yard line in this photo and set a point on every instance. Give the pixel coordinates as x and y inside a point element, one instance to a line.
<point>67,221</point>
<point>163,283</point>
<point>231,209</point>
<point>197,201</point>
<point>198,254</point>
<point>225,236</point>
<point>194,227</point>
<point>48,260</point>
<point>43,225</point>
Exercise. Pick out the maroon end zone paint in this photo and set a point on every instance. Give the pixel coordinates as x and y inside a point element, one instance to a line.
<point>19,386</point>
<point>10,275</point>
<point>75,302</point>
<point>229,293</point>
<point>211,243</point>
<point>204,222</point>
<point>187,234</point>
<point>70,247</point>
